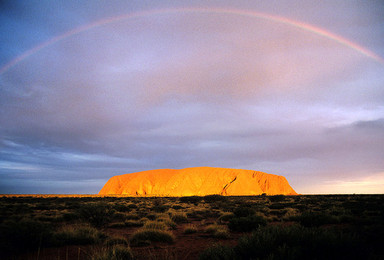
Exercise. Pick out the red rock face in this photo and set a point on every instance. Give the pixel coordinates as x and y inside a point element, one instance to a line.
<point>198,181</point>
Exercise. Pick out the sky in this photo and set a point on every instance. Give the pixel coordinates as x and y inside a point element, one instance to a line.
<point>93,89</point>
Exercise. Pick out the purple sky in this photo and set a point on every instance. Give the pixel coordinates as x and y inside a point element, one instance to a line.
<point>185,89</point>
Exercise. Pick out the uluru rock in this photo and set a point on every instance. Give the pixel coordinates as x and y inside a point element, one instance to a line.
<point>198,181</point>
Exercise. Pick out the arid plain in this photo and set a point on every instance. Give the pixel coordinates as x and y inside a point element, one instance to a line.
<point>196,227</point>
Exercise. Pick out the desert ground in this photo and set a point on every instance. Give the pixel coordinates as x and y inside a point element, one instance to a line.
<point>209,227</point>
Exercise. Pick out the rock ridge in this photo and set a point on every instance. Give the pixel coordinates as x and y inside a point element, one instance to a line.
<point>197,181</point>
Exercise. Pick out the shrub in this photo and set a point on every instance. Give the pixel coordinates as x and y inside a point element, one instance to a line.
<point>160,208</point>
<point>168,222</point>
<point>133,223</point>
<point>152,235</point>
<point>277,198</point>
<point>23,235</point>
<point>117,225</point>
<point>243,211</point>
<point>155,225</point>
<point>132,216</point>
<point>214,198</point>
<point>190,199</point>
<point>116,240</point>
<point>218,252</point>
<point>132,206</point>
<point>315,219</point>
<point>97,214</point>
<point>179,217</point>
<point>122,207</point>
<point>118,252</point>
<point>295,242</point>
<point>217,231</point>
<point>225,217</point>
<point>77,235</point>
<point>190,229</point>
<point>244,224</point>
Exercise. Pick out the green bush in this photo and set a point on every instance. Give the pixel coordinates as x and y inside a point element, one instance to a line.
<point>218,252</point>
<point>155,225</point>
<point>23,235</point>
<point>168,222</point>
<point>243,211</point>
<point>277,198</point>
<point>214,198</point>
<point>97,214</point>
<point>225,217</point>
<point>296,242</point>
<point>118,252</point>
<point>190,199</point>
<point>179,217</point>
<point>217,231</point>
<point>142,236</point>
<point>133,223</point>
<point>244,224</point>
<point>116,240</point>
<point>160,208</point>
<point>77,235</point>
<point>315,219</point>
<point>190,229</point>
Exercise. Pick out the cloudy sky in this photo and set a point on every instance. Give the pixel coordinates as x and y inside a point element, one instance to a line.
<point>92,89</point>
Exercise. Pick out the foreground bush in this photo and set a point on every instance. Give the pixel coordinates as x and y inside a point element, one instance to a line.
<point>218,252</point>
<point>145,236</point>
<point>214,198</point>
<point>77,235</point>
<point>190,229</point>
<point>23,235</point>
<point>296,242</point>
<point>114,253</point>
<point>290,243</point>
<point>217,231</point>
<point>155,225</point>
<point>244,224</point>
<point>190,199</point>
<point>97,214</point>
<point>315,219</point>
<point>179,217</point>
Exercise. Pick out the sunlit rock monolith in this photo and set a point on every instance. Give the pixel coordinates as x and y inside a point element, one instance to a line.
<point>198,181</point>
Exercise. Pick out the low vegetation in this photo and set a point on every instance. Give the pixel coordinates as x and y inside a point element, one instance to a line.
<point>209,227</point>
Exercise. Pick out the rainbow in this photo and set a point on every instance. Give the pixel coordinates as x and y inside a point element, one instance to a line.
<point>253,14</point>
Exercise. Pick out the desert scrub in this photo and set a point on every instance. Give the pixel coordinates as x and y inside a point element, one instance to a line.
<point>155,225</point>
<point>315,219</point>
<point>77,235</point>
<point>190,199</point>
<point>23,235</point>
<point>169,222</point>
<point>134,223</point>
<point>225,217</point>
<point>214,198</point>
<point>190,229</point>
<point>217,231</point>
<point>118,252</point>
<point>132,216</point>
<point>97,214</point>
<point>142,236</point>
<point>218,252</point>
<point>179,217</point>
<point>244,224</point>
<point>290,213</point>
<point>116,240</point>
<point>117,225</point>
<point>296,242</point>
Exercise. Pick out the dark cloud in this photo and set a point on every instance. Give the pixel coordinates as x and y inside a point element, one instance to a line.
<point>184,90</point>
